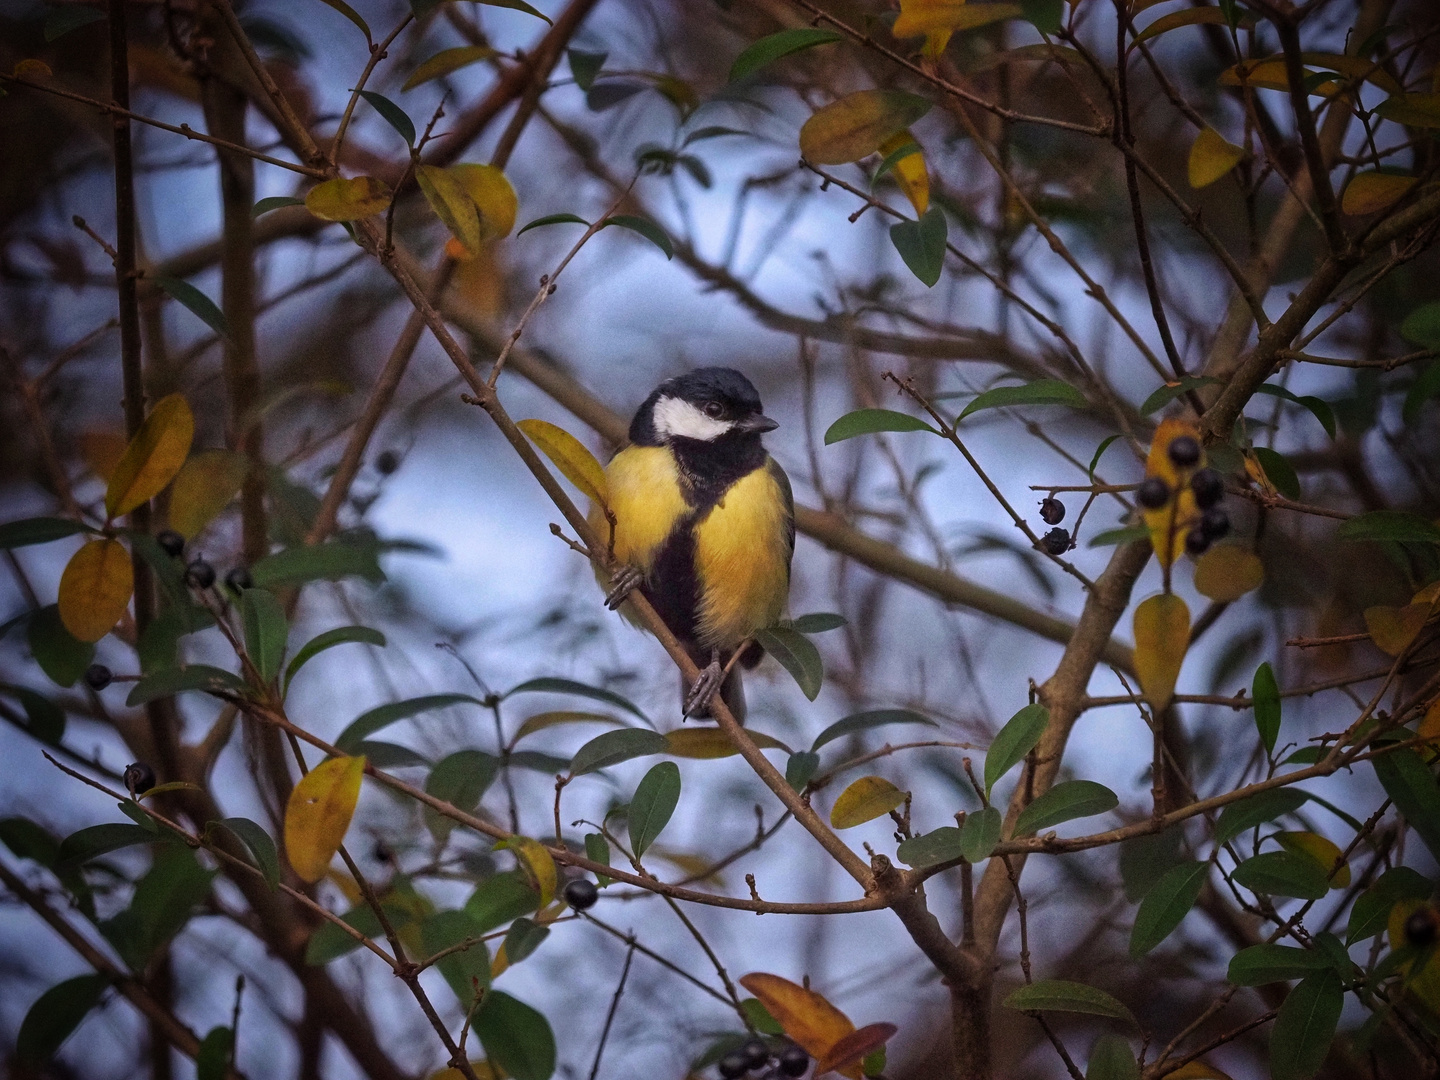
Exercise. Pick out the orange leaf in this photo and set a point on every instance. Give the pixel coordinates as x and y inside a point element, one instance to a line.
<point>153,457</point>
<point>95,589</point>
<point>1394,628</point>
<point>1227,572</point>
<point>1173,520</point>
<point>851,1048</point>
<point>805,1015</point>
<point>1371,192</point>
<point>204,487</point>
<point>1162,634</point>
<point>318,814</point>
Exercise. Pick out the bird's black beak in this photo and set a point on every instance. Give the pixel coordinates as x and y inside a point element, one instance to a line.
<point>759,424</point>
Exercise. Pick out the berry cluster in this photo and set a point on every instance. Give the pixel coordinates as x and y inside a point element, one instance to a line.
<point>1206,485</point>
<point>1052,512</point>
<point>199,574</point>
<point>756,1054</point>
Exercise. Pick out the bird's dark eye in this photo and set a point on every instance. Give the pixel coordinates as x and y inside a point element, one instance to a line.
<point>714,409</point>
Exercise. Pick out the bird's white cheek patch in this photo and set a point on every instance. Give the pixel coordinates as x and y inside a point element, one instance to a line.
<point>677,418</point>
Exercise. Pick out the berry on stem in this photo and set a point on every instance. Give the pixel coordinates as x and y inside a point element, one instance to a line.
<point>1184,451</point>
<point>733,1066</point>
<point>97,676</point>
<point>139,778</point>
<point>171,542</point>
<point>239,579</point>
<point>1420,928</point>
<point>1209,488</point>
<point>1215,523</point>
<point>1153,493</point>
<point>757,1054</point>
<point>1056,541</point>
<point>200,574</point>
<point>1052,510</point>
<point>387,462</point>
<point>794,1061</point>
<point>581,894</point>
<point>1196,542</point>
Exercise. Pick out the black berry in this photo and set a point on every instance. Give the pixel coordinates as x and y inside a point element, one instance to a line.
<point>1153,493</point>
<point>733,1065</point>
<point>387,462</point>
<point>97,676</point>
<point>200,574</point>
<point>171,542</point>
<point>757,1054</point>
<point>1184,451</point>
<point>1196,542</point>
<point>239,579</point>
<point>794,1061</point>
<point>1056,541</point>
<point>1420,928</point>
<point>1052,511</point>
<point>139,777</point>
<point>581,894</point>
<point>1208,487</point>
<point>1215,523</point>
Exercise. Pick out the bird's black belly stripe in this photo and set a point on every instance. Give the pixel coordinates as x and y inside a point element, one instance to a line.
<point>673,588</point>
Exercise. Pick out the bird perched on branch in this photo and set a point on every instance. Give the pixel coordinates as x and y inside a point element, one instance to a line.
<point>704,524</point>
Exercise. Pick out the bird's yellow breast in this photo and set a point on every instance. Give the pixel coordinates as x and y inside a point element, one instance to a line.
<point>742,559</point>
<point>645,497</point>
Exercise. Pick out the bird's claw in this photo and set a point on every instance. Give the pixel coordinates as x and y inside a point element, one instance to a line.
<point>625,581</point>
<point>706,685</point>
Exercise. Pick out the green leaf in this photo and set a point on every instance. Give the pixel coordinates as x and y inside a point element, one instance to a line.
<point>96,840</point>
<point>1099,453</point>
<point>800,768</point>
<point>163,901</point>
<point>1412,787</point>
<point>870,421</point>
<point>1244,815</point>
<point>1045,15</point>
<point>1061,995</point>
<point>329,942</point>
<point>584,66</point>
<point>1425,386</point>
<point>349,12</point>
<point>645,227</point>
<point>274,202</point>
<point>341,635</point>
<point>921,245</point>
<point>597,849</point>
<point>1166,905</point>
<point>136,814</point>
<point>388,755</point>
<point>549,685</point>
<point>980,833</point>
<point>654,802</point>
<point>1305,1025</point>
<point>321,562</point>
<point>796,655</point>
<point>817,622</point>
<point>523,938</point>
<point>55,1015</point>
<point>1144,860</point>
<point>1065,802</point>
<point>930,849</point>
<point>445,929</point>
<point>1040,392</point>
<point>198,677</point>
<point>59,21</point>
<point>212,1060</point>
<point>1393,525</point>
<point>515,5</point>
<point>262,847</point>
<point>368,723</point>
<point>1265,692</point>
<point>1270,962</point>
<point>613,747</point>
<point>27,840</point>
<point>1283,873</point>
<point>61,655</point>
<point>392,114</point>
<point>864,721</point>
<point>45,719</point>
<point>1127,535</point>
<point>1279,471</point>
<point>266,632</point>
<point>773,47</point>
<point>1371,912</point>
<point>23,533</point>
<point>199,305</point>
<point>1422,326</point>
<point>536,761</point>
<point>1112,1059</point>
<point>553,219</point>
<point>892,159</point>
<point>446,62</point>
<point>1170,391</point>
<point>515,1037</point>
<point>1318,407</point>
<point>1013,741</point>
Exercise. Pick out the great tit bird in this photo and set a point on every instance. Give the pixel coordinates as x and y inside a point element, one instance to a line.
<point>704,524</point>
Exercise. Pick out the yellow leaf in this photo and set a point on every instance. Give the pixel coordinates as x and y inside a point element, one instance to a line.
<point>1428,595</point>
<point>1429,728</point>
<point>102,451</point>
<point>909,172</point>
<point>493,196</point>
<point>541,721</point>
<point>1197,1070</point>
<point>1394,628</point>
<point>32,69</point>
<point>1173,520</point>
<point>348,200</point>
<point>1413,110</point>
<point>1211,156</point>
<point>446,61</point>
<point>1271,75</point>
<point>806,1016</point>
<point>480,280</point>
<point>1323,851</point>
<point>204,487</point>
<point>452,205</point>
<point>1425,984</point>
<point>485,1071</point>
<point>711,742</point>
<point>1355,67</point>
<point>938,19</point>
<point>538,864</point>
<point>570,457</point>
<point>95,589</point>
<point>865,800</point>
<point>318,814</point>
<point>1162,634</point>
<point>856,125</point>
<point>1370,192</point>
<point>153,457</point>
<point>1227,572</point>
<point>1190,17</point>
